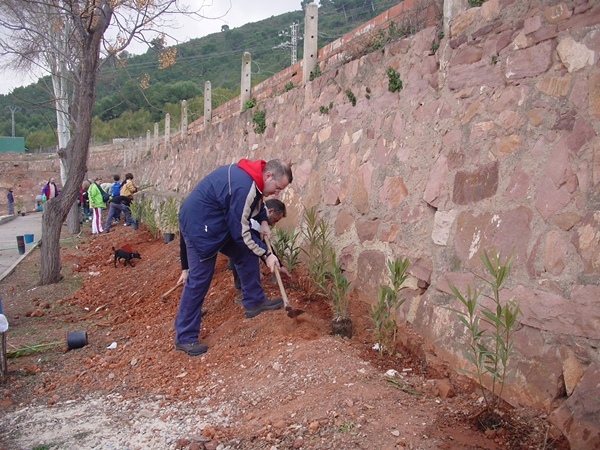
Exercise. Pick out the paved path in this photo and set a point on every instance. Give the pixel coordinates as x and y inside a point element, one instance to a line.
<point>10,228</point>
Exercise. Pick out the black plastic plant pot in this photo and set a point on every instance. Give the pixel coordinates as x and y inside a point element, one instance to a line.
<point>168,237</point>
<point>76,339</point>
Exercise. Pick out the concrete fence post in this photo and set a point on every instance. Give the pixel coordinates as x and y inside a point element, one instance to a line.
<point>246,79</point>
<point>184,119</point>
<point>207,104</point>
<point>311,28</point>
<point>451,9</point>
<point>148,139</point>
<point>155,144</point>
<point>167,128</point>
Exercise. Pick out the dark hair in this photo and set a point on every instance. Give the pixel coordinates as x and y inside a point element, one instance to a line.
<point>276,205</point>
<point>278,168</point>
<point>129,176</point>
<point>116,177</point>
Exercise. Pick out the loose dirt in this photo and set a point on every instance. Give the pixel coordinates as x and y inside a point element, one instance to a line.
<point>270,382</point>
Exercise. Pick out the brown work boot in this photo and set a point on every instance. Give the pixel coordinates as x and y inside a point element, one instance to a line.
<point>238,296</point>
<point>267,305</point>
<point>192,349</point>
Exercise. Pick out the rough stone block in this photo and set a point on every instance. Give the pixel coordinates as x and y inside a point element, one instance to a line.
<point>479,74</point>
<point>442,224</point>
<point>505,231</point>
<point>574,55</point>
<point>555,251</point>
<point>579,416</point>
<point>343,222</point>
<point>470,187</point>
<point>436,182</point>
<point>557,13</point>
<point>555,86</point>
<point>585,240</point>
<point>366,229</point>
<point>529,62</point>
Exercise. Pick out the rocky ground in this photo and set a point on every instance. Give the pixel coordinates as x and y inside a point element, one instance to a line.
<point>270,382</point>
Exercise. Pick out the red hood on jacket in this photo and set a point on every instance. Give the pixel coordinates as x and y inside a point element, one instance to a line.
<point>254,169</point>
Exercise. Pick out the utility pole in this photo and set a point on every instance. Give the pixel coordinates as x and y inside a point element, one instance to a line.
<point>292,44</point>
<point>12,117</point>
<point>294,28</point>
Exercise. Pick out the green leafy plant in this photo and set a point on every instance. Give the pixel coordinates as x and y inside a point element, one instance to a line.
<point>148,216</point>
<point>325,109</point>
<point>136,209</point>
<point>315,73</point>
<point>394,81</point>
<point>258,119</point>
<point>335,287</point>
<point>490,330</point>
<point>494,59</point>
<point>317,233</point>
<point>434,47</point>
<point>30,349</point>
<point>249,104</point>
<point>441,35</point>
<point>383,37</point>
<point>285,247</point>
<point>168,215</point>
<point>383,313</point>
<point>474,3</point>
<point>351,97</point>
<point>288,86</point>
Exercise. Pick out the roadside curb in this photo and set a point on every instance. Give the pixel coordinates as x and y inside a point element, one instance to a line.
<point>4,219</point>
<point>10,270</point>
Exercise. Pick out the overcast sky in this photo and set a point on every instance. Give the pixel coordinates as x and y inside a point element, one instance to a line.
<point>240,13</point>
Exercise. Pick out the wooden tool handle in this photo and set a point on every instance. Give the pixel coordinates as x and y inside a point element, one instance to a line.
<point>172,289</point>
<point>286,302</point>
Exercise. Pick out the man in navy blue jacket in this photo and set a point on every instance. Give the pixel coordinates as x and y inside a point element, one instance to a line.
<point>215,218</point>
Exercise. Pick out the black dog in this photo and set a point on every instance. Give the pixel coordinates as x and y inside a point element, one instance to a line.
<point>126,256</point>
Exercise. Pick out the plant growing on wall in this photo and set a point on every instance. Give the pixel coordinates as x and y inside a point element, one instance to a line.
<point>258,119</point>
<point>394,81</point>
<point>383,313</point>
<point>288,86</point>
<point>325,109</point>
<point>315,73</point>
<point>249,104</point>
<point>351,97</point>
<point>489,338</point>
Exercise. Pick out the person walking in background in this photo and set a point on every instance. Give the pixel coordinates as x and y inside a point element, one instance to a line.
<point>96,204</point>
<point>116,186</point>
<point>118,204</point>
<point>215,217</point>
<point>50,190</point>
<point>11,202</point>
<point>87,213</point>
<point>127,187</point>
<point>115,192</point>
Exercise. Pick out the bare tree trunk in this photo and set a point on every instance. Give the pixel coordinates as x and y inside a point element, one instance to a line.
<point>75,155</point>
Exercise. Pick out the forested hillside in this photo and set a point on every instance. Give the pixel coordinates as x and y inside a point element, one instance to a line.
<point>134,91</point>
